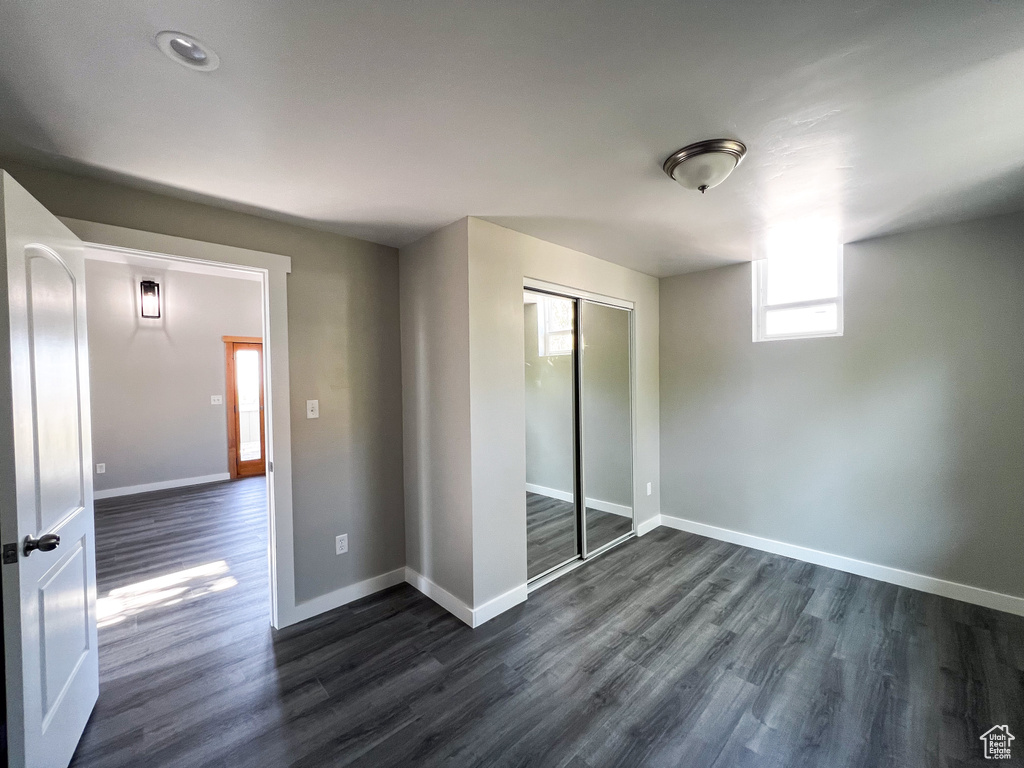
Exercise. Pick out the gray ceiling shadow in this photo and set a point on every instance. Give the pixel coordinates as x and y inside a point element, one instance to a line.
<point>55,161</point>
<point>992,197</point>
<point>596,238</point>
<point>17,122</point>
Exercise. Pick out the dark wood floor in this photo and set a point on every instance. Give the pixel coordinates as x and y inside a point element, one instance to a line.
<point>551,531</point>
<point>670,650</point>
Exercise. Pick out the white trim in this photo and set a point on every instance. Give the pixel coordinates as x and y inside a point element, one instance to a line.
<point>611,507</point>
<point>551,493</point>
<point>648,525</point>
<point>530,283</point>
<point>930,584</point>
<point>440,595</point>
<point>547,578</point>
<point>601,506</point>
<point>272,270</point>
<point>472,617</point>
<point>339,597</point>
<point>128,490</point>
<point>498,605</point>
<point>113,254</point>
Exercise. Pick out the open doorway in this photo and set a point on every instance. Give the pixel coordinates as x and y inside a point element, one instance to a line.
<point>165,609</point>
<point>247,441</point>
<point>181,513</point>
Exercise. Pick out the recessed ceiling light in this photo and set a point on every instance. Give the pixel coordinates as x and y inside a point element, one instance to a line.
<point>187,51</point>
<point>705,164</point>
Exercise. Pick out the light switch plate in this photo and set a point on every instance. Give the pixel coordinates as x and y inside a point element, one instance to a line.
<point>312,409</point>
<point>216,399</point>
<point>101,469</point>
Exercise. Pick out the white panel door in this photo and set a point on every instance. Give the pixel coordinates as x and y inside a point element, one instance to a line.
<point>46,511</point>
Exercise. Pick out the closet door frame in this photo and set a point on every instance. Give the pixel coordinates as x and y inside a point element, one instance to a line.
<point>580,427</point>
<point>578,557</point>
<point>578,297</point>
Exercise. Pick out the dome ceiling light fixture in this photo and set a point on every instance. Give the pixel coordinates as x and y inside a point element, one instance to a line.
<point>187,51</point>
<point>705,164</point>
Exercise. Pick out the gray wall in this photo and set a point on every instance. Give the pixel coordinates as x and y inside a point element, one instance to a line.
<point>151,380</point>
<point>900,443</point>
<point>435,373</point>
<point>343,336</point>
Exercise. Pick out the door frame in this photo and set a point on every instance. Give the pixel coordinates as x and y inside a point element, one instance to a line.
<point>578,296</point>
<point>105,241</point>
<point>230,404</point>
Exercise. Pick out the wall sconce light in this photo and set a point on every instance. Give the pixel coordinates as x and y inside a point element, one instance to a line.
<point>150,298</point>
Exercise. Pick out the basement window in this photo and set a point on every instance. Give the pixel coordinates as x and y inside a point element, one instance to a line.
<point>554,326</point>
<point>798,296</point>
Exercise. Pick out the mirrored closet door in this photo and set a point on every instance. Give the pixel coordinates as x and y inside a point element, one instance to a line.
<point>607,424</point>
<point>579,428</point>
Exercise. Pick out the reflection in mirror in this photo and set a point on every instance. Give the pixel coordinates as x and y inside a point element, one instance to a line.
<point>551,530</point>
<point>607,424</point>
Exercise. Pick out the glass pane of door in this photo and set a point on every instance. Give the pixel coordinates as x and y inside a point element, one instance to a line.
<point>607,423</point>
<point>551,527</point>
<point>247,382</point>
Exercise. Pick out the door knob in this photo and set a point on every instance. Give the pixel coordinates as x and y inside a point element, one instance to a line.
<point>45,543</point>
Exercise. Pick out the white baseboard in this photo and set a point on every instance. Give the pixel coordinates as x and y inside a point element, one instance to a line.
<point>610,506</point>
<point>930,584</point>
<point>459,609</point>
<point>128,490</point>
<point>601,506</point>
<point>339,597</point>
<point>440,595</point>
<point>552,493</point>
<point>648,525</point>
<point>499,605</point>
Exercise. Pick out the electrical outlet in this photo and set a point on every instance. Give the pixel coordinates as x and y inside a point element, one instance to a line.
<point>648,489</point>
<point>341,544</point>
<point>312,409</point>
<point>216,399</point>
<point>101,469</point>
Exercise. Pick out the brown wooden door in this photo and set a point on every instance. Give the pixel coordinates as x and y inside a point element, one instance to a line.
<point>247,445</point>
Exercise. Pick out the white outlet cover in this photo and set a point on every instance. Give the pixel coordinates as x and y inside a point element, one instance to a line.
<point>312,409</point>
<point>101,469</point>
<point>341,544</point>
<point>216,399</point>
<point>648,489</point>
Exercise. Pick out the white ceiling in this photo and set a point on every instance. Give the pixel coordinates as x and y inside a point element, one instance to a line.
<point>387,119</point>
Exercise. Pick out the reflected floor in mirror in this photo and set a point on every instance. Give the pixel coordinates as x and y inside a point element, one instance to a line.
<point>551,531</point>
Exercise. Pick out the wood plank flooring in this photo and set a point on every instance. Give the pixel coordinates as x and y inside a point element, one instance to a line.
<point>551,531</point>
<point>670,650</point>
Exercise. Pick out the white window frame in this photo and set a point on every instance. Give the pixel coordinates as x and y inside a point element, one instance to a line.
<point>544,335</point>
<point>760,290</point>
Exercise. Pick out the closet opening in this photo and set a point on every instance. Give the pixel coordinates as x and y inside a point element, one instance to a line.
<point>579,428</point>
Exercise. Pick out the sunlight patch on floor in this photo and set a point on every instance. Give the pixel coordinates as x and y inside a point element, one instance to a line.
<point>170,589</point>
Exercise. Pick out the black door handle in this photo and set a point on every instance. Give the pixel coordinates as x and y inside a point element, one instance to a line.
<point>45,543</point>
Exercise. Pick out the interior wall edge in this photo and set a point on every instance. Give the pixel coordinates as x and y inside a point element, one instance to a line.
<point>440,595</point>
<point>498,605</point>
<point>919,581</point>
<point>648,525</point>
